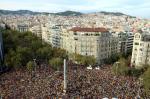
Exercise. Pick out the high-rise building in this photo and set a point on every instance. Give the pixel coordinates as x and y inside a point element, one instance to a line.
<point>97,42</point>
<point>141,50</point>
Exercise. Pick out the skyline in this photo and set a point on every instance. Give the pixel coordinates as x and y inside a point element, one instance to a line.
<point>139,8</point>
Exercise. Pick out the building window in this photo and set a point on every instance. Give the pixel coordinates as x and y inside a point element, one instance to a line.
<point>136,43</point>
<point>141,44</point>
<point>141,49</point>
<point>75,33</point>
<point>75,38</point>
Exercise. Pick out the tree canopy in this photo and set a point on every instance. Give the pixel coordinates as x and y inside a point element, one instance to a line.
<point>20,48</point>
<point>120,67</point>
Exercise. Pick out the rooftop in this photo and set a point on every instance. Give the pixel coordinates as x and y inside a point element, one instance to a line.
<point>79,29</point>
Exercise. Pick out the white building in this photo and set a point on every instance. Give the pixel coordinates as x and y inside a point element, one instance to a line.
<point>56,35</point>
<point>97,42</point>
<point>141,49</point>
<point>23,28</point>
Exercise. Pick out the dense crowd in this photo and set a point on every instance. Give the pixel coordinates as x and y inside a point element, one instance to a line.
<point>45,83</point>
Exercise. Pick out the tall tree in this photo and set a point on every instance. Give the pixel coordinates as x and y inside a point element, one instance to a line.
<point>56,63</point>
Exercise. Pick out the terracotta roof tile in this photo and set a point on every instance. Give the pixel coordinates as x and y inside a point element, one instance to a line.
<point>79,29</point>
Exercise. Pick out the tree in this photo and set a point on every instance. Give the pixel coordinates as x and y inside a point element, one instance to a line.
<point>61,53</point>
<point>13,59</point>
<point>44,53</point>
<point>56,63</point>
<point>88,60</point>
<point>113,58</point>
<point>20,48</point>
<point>120,67</point>
<point>25,54</point>
<point>30,66</point>
<point>85,60</point>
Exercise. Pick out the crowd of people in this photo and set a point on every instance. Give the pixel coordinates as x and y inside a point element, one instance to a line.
<point>45,83</point>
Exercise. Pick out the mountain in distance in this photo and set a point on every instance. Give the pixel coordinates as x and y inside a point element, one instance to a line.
<point>23,12</point>
<point>69,13</point>
<point>65,13</point>
<point>116,14</point>
<point>112,13</point>
<point>18,12</point>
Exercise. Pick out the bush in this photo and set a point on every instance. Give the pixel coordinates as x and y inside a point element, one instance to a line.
<point>135,72</point>
<point>56,63</point>
<point>120,67</point>
<point>84,60</point>
<point>30,66</point>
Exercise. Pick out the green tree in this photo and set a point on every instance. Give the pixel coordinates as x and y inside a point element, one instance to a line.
<point>20,48</point>
<point>61,53</point>
<point>113,58</point>
<point>30,66</point>
<point>44,53</point>
<point>13,59</point>
<point>88,60</point>
<point>26,54</point>
<point>85,60</point>
<point>56,63</point>
<point>120,67</point>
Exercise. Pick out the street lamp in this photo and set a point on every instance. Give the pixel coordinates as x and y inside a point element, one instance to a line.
<point>34,64</point>
<point>116,66</point>
<point>65,80</point>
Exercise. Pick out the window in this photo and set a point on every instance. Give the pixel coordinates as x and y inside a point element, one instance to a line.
<point>141,44</point>
<point>136,43</point>
<point>76,38</point>
<point>137,36</point>
<point>141,49</point>
<point>75,33</point>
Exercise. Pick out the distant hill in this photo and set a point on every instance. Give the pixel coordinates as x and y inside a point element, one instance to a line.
<point>18,12</point>
<point>69,13</point>
<point>66,13</point>
<point>23,12</point>
<point>115,14</point>
<point>112,13</point>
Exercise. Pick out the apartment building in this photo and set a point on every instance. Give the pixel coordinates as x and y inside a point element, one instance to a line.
<point>56,35</point>
<point>90,41</point>
<point>125,42</point>
<point>23,28</point>
<point>36,30</point>
<point>46,34</point>
<point>141,50</point>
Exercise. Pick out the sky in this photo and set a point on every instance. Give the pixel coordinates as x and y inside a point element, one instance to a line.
<point>139,8</point>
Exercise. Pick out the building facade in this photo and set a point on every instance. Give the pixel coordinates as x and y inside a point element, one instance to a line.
<point>56,35</point>
<point>141,50</point>
<point>125,42</point>
<point>97,42</point>
<point>23,28</point>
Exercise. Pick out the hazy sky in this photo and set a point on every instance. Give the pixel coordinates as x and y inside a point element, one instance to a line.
<point>140,8</point>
